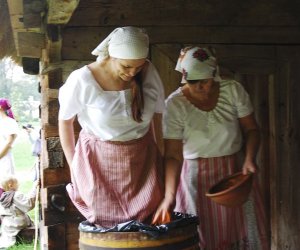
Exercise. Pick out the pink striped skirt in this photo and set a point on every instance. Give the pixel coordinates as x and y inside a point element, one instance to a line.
<point>221,228</point>
<point>113,182</point>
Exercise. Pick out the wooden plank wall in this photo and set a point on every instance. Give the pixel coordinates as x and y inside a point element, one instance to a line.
<point>286,217</point>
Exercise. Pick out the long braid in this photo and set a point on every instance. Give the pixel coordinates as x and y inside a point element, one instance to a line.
<point>137,105</point>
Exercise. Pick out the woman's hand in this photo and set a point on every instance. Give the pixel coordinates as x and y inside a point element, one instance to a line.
<point>252,135</point>
<point>173,163</point>
<point>249,166</point>
<point>163,213</point>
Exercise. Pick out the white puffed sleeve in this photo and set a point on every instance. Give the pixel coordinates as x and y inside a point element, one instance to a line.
<point>69,97</point>
<point>11,127</point>
<point>173,120</point>
<point>242,100</point>
<point>154,78</point>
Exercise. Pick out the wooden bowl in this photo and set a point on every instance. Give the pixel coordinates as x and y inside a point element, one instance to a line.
<point>231,191</point>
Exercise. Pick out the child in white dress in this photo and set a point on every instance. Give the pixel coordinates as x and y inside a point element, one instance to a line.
<point>14,206</point>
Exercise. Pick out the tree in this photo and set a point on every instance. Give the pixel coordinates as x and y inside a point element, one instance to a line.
<point>21,89</point>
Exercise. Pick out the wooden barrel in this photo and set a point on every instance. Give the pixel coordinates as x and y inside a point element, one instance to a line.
<point>184,238</point>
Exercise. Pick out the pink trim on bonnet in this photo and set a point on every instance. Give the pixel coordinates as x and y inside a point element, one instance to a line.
<point>5,105</point>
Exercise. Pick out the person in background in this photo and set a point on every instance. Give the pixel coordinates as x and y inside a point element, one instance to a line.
<point>204,125</point>
<point>116,166</point>
<point>35,139</point>
<point>8,133</point>
<point>14,206</point>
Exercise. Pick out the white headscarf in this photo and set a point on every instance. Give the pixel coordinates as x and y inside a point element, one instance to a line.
<point>124,43</point>
<point>197,63</point>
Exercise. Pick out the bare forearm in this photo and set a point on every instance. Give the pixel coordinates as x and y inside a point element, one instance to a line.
<point>252,144</point>
<point>172,174</point>
<point>67,139</point>
<point>8,145</point>
<point>173,163</point>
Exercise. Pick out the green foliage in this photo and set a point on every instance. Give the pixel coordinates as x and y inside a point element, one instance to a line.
<point>22,92</point>
<point>24,163</point>
<point>21,89</point>
<point>22,153</point>
<point>23,246</point>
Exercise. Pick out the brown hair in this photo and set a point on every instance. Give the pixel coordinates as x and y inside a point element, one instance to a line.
<point>137,104</point>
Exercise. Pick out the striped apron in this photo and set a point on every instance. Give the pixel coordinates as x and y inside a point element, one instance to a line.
<point>114,182</point>
<point>221,228</point>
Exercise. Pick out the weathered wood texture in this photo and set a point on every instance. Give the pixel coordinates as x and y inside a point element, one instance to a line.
<point>53,237</point>
<point>31,44</point>
<point>286,199</point>
<point>59,12</point>
<point>72,236</point>
<point>32,13</point>
<point>79,42</point>
<point>17,18</point>
<point>182,22</point>
<point>57,206</point>
<point>164,57</point>
<point>31,65</point>
<point>49,103</point>
<point>55,153</point>
<point>186,12</point>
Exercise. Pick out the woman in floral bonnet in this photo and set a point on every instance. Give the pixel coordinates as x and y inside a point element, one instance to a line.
<point>203,126</point>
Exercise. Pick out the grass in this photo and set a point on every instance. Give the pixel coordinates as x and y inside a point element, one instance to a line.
<point>24,163</point>
<point>22,246</point>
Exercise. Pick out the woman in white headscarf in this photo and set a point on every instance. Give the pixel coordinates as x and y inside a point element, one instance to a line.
<point>118,100</point>
<point>203,126</point>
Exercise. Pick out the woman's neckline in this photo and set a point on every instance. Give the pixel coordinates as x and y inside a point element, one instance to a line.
<point>202,105</point>
<point>96,83</point>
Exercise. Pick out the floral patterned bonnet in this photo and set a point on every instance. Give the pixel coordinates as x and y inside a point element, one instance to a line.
<point>197,63</point>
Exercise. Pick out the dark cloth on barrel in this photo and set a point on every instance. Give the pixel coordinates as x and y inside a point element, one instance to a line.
<point>177,220</point>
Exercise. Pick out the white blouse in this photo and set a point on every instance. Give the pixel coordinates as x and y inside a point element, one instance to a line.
<point>107,114</point>
<point>8,126</point>
<point>208,133</point>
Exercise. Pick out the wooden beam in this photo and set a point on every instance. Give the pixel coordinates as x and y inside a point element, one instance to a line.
<point>79,42</point>
<point>17,23</point>
<point>31,44</point>
<point>32,11</point>
<point>54,237</point>
<point>164,57</point>
<point>287,199</point>
<point>30,65</point>
<point>60,12</point>
<point>52,177</point>
<point>187,12</point>
<point>57,206</point>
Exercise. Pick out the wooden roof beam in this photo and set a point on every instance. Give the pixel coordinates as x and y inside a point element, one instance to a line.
<point>60,12</point>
